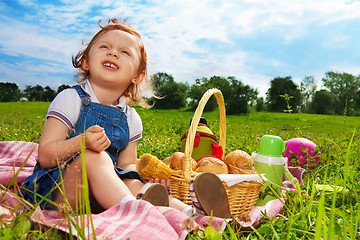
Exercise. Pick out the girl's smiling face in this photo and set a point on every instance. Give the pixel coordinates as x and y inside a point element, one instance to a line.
<point>113,60</point>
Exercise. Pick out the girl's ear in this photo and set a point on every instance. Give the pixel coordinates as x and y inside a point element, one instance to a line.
<point>84,65</point>
<point>138,79</point>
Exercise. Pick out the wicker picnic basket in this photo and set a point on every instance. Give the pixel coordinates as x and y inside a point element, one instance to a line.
<point>242,196</point>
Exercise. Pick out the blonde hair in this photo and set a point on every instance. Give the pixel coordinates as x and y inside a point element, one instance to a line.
<point>133,92</point>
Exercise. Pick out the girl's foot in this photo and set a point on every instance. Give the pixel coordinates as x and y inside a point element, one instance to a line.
<point>155,193</point>
<point>209,196</point>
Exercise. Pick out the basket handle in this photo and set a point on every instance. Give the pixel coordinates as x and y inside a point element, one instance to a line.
<point>194,123</point>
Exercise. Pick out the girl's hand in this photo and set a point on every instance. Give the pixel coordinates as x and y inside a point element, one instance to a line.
<point>96,139</point>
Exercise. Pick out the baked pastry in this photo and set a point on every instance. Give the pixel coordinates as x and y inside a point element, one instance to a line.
<point>176,161</point>
<point>212,165</point>
<point>240,162</point>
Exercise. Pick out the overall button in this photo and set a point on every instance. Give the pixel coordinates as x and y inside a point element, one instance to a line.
<point>86,102</point>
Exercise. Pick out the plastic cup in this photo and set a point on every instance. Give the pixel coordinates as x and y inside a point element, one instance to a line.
<point>272,146</point>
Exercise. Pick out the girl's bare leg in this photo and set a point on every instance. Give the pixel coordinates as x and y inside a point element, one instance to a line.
<point>105,186</point>
<point>135,185</point>
<point>177,204</point>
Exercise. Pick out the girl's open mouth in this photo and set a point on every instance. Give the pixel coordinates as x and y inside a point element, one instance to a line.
<point>110,65</point>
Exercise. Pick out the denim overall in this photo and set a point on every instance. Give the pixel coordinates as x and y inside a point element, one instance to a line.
<point>114,122</point>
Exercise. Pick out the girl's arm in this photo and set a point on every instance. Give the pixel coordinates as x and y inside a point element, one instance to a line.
<point>54,147</point>
<point>127,157</point>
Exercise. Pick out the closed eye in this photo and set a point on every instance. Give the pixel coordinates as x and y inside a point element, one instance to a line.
<point>125,52</point>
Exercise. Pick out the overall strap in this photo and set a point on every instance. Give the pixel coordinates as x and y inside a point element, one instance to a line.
<point>84,98</point>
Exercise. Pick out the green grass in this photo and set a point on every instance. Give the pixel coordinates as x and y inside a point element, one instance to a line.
<point>313,214</point>
<point>243,131</point>
<point>22,121</point>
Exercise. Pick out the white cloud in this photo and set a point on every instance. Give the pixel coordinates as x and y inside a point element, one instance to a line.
<point>26,3</point>
<point>31,74</point>
<point>172,29</point>
<point>27,40</point>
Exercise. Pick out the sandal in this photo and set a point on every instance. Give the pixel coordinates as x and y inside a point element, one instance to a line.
<point>154,193</point>
<point>211,195</point>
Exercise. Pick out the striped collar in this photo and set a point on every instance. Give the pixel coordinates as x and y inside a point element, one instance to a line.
<point>121,103</point>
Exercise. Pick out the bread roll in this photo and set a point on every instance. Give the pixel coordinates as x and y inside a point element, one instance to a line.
<point>213,165</point>
<point>240,162</point>
<point>176,161</point>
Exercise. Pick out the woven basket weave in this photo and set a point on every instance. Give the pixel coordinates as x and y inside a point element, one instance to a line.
<point>242,196</point>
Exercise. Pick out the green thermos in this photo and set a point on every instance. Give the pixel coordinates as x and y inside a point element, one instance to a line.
<point>270,162</point>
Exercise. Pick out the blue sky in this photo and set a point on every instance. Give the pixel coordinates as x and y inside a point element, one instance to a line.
<point>253,40</point>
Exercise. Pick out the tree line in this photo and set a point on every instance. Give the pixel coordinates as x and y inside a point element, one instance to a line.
<point>10,92</point>
<point>339,94</point>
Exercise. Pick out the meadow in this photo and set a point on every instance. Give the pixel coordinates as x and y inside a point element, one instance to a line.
<point>332,213</point>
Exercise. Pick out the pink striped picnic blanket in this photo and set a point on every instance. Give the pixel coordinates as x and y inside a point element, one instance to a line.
<point>133,219</point>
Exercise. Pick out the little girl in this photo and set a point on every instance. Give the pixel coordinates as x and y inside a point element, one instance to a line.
<point>111,67</point>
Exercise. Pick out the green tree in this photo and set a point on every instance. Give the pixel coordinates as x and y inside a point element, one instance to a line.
<point>195,93</point>
<point>322,102</point>
<point>173,95</point>
<point>38,93</point>
<point>281,86</point>
<point>34,93</point>
<point>357,103</point>
<point>62,87</point>
<point>9,92</point>
<point>237,96</point>
<point>221,83</point>
<point>260,104</point>
<point>307,89</point>
<point>345,88</point>
<point>202,85</point>
<point>48,94</point>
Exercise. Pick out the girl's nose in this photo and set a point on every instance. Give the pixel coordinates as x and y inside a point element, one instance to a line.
<point>113,53</point>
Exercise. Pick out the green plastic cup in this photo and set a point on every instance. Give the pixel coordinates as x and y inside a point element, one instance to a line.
<point>272,146</point>
<point>269,161</point>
